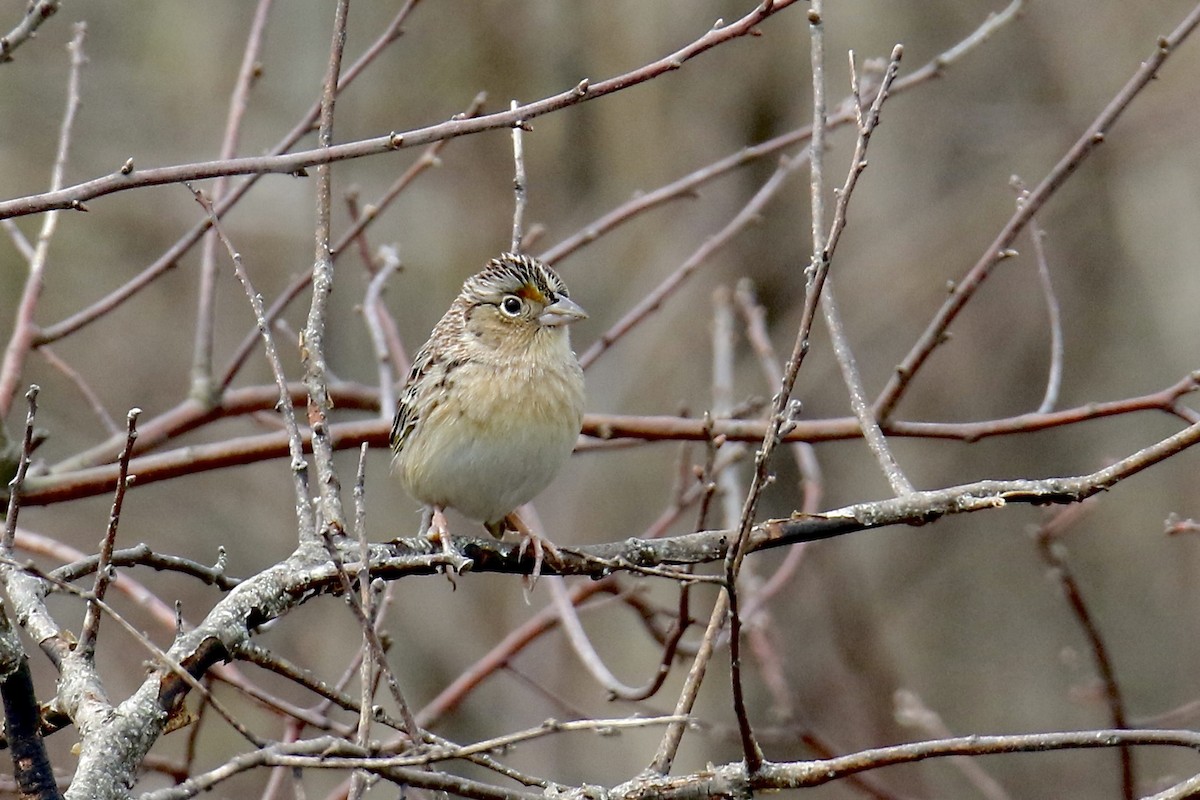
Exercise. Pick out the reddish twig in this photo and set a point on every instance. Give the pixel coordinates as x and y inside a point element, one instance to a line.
<point>24,331</point>
<point>1054,554</point>
<point>74,483</point>
<point>202,355</point>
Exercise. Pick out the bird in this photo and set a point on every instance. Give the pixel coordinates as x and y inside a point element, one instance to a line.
<point>494,401</point>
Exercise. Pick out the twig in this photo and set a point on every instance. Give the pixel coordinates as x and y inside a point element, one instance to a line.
<point>293,163</point>
<point>1054,379</point>
<point>327,752</point>
<point>85,389</point>
<point>17,484</point>
<point>18,239</point>
<point>24,330</point>
<point>874,437</point>
<point>366,684</point>
<point>803,453</point>
<point>587,654</point>
<point>1054,314</point>
<point>32,770</point>
<point>861,406</point>
<point>664,756</point>
<point>1000,249</point>
<point>70,482</point>
<point>722,397</point>
<point>375,645</point>
<point>1054,554</point>
<point>360,241</point>
<point>79,565</point>
<point>202,355</point>
<point>912,712</point>
<point>1037,235</point>
<point>687,185</point>
<point>312,341</point>
<point>374,316</point>
<point>105,572</point>
<point>170,258</point>
<point>35,14</point>
<point>519,184</point>
<point>816,162</point>
<point>299,466</point>
<point>654,298</point>
<point>429,158</point>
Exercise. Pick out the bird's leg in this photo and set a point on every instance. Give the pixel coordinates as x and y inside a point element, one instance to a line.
<point>540,546</point>
<point>438,530</point>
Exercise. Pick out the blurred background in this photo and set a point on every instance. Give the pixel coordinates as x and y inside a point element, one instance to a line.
<point>962,612</point>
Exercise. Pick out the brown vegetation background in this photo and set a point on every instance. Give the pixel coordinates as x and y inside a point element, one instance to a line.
<point>961,613</point>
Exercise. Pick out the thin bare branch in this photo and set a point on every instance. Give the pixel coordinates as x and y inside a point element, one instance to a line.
<point>911,711</point>
<point>668,748</point>
<point>16,485</point>
<point>519,182</point>
<point>366,683</point>
<point>374,314</point>
<point>1054,314</point>
<point>1053,552</point>
<point>654,298</point>
<point>202,355</point>
<point>24,331</point>
<point>312,341</point>
<point>85,389</point>
<point>170,258</point>
<point>1001,248</point>
<point>295,448</point>
<point>105,572</point>
<point>36,13</point>
<point>69,482</point>
<point>18,239</point>
<point>295,163</point>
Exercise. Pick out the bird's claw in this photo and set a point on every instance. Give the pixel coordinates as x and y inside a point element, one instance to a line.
<point>439,532</point>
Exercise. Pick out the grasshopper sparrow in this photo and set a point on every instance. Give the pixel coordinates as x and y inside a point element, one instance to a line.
<point>494,402</point>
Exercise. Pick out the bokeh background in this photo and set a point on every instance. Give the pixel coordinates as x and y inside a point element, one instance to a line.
<point>961,613</point>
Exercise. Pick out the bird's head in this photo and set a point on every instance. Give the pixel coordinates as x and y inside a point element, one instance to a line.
<point>517,300</point>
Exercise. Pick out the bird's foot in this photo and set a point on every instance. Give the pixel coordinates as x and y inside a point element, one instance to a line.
<point>438,531</point>
<point>540,547</point>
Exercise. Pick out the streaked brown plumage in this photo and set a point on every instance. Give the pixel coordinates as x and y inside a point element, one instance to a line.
<point>494,402</point>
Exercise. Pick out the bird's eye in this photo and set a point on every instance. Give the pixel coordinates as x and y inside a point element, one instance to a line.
<point>511,305</point>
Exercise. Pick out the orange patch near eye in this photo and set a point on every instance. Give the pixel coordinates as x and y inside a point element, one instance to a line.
<point>531,292</point>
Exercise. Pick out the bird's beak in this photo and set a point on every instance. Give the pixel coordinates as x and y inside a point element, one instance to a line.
<point>562,311</point>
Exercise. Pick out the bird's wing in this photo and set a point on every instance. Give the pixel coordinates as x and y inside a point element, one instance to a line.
<point>406,407</point>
